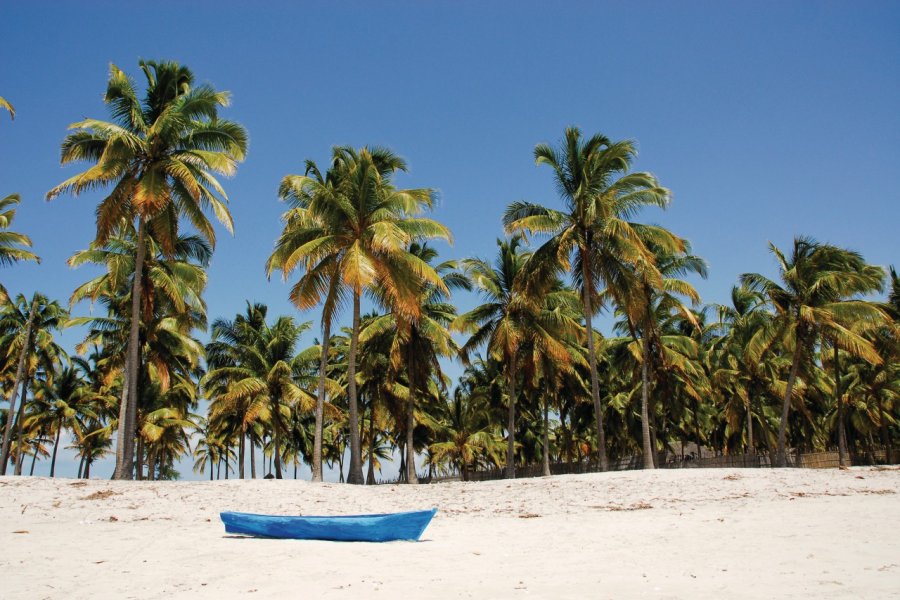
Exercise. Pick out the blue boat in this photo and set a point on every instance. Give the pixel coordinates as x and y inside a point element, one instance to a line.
<point>387,527</point>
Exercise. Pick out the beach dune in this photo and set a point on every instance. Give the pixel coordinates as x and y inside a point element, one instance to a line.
<point>694,533</point>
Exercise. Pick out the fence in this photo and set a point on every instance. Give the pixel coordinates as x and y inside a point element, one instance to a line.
<point>812,460</point>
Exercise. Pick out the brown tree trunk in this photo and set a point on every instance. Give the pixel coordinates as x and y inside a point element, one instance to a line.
<point>276,444</point>
<point>125,441</point>
<point>320,402</point>
<point>546,462</point>
<point>645,399</point>
<point>252,457</point>
<point>354,475</point>
<point>20,377</point>
<point>592,360</point>
<point>843,452</point>
<point>511,422</point>
<point>55,446</point>
<point>411,476</point>
<point>370,476</point>
<point>241,455</point>
<point>785,409</point>
<point>750,447</point>
<point>139,461</point>
<point>20,419</point>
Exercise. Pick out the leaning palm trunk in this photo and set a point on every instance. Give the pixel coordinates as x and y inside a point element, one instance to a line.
<point>411,476</point>
<point>20,442</point>
<point>354,475</point>
<point>125,442</point>
<point>511,423</point>
<point>782,426</point>
<point>592,360</point>
<point>20,377</point>
<point>320,402</point>
<point>645,400</point>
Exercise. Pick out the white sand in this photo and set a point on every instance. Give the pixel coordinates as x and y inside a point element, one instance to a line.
<point>667,534</point>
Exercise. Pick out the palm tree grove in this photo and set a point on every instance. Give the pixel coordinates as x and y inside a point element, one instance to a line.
<point>587,346</point>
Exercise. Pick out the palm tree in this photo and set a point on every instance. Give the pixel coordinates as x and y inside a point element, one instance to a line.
<point>304,229</point>
<point>254,363</point>
<point>63,400</point>
<point>467,436</point>
<point>171,308</point>
<point>10,241</point>
<point>4,103</point>
<point>816,278</point>
<point>159,156</point>
<point>514,314</point>
<point>594,229</point>
<point>356,225</point>
<point>421,342</point>
<point>646,304</point>
<point>26,329</point>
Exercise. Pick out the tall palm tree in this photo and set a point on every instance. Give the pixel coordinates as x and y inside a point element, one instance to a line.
<point>593,236</point>
<point>815,278</point>
<point>159,156</point>
<point>11,243</point>
<point>304,229</point>
<point>355,225</point>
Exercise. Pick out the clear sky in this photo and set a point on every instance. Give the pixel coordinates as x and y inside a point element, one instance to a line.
<point>766,119</point>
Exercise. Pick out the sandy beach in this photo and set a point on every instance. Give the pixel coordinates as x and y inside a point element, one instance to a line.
<point>666,534</point>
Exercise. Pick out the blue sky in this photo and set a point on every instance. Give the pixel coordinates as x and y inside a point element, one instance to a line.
<point>766,119</point>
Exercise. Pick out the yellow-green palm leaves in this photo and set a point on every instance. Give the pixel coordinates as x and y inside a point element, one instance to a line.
<point>160,157</point>
<point>594,235</point>
<point>11,243</point>
<point>817,297</point>
<point>348,232</point>
<point>4,103</point>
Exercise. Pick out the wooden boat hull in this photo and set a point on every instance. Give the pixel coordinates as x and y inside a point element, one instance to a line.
<point>350,528</point>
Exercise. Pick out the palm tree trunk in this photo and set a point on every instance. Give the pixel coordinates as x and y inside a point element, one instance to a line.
<point>354,476</point>
<point>782,426</point>
<point>411,476</point>
<point>320,402</point>
<point>125,441</point>
<point>370,476</point>
<point>546,466</point>
<point>276,443</point>
<point>645,418</point>
<point>20,376</point>
<point>885,436</point>
<point>511,423</point>
<point>20,419</point>
<point>55,446</point>
<point>843,453</point>
<point>139,461</point>
<point>87,466</point>
<point>33,461</point>
<point>592,360</point>
<point>750,447</point>
<point>252,457</point>
<point>241,455</point>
